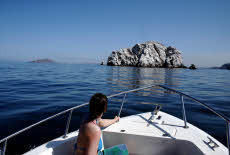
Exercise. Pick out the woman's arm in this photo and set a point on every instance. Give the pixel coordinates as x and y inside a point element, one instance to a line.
<point>107,122</point>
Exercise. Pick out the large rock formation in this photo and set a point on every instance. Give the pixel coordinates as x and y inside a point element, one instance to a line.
<point>148,54</point>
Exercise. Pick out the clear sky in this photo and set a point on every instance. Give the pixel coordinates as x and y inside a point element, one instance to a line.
<point>87,31</point>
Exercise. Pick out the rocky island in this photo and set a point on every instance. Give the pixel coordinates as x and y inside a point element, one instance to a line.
<point>148,54</point>
<point>225,66</point>
<point>43,61</point>
<point>192,66</point>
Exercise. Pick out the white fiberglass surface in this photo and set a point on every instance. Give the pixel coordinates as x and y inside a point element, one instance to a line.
<point>138,144</point>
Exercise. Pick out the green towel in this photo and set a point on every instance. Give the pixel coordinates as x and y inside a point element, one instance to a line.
<point>116,150</point>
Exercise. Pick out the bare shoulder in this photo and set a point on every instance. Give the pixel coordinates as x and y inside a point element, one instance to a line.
<point>92,128</point>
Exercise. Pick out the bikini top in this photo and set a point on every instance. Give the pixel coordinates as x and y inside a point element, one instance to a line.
<point>100,145</point>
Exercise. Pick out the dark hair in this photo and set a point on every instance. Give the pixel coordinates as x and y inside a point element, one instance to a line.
<point>97,105</point>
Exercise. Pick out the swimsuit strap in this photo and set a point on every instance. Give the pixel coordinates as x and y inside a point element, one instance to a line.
<point>97,122</point>
<point>100,145</point>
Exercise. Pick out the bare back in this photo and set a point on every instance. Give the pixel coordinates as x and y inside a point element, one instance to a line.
<point>88,139</point>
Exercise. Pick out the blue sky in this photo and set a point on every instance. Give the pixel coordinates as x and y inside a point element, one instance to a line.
<point>87,31</point>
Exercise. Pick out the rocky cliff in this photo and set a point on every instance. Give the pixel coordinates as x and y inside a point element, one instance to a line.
<point>148,54</point>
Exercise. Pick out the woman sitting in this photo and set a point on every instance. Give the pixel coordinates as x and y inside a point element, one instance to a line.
<point>89,140</point>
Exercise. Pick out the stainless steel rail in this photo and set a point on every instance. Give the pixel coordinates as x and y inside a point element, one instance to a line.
<point>123,101</point>
<point>183,111</point>
<point>206,106</point>
<point>228,134</point>
<point>70,110</point>
<point>203,104</point>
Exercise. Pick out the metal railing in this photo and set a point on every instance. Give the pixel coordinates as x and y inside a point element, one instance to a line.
<point>70,110</point>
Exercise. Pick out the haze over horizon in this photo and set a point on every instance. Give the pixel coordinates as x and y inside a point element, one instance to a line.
<point>87,32</point>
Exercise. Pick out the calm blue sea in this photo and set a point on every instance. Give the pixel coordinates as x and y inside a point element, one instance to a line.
<point>30,92</point>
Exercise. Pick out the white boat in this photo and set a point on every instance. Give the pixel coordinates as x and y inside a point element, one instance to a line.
<point>156,133</point>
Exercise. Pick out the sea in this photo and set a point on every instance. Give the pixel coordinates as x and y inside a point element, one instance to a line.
<point>30,92</point>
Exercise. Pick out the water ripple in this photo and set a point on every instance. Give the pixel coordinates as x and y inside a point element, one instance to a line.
<point>31,92</point>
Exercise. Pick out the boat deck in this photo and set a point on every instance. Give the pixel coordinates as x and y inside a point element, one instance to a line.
<point>169,127</point>
<point>142,135</point>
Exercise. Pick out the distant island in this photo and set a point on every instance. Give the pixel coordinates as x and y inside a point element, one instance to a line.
<point>43,61</point>
<point>148,54</point>
<point>224,66</point>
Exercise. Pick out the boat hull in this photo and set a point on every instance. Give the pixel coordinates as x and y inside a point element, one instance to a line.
<point>145,134</point>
